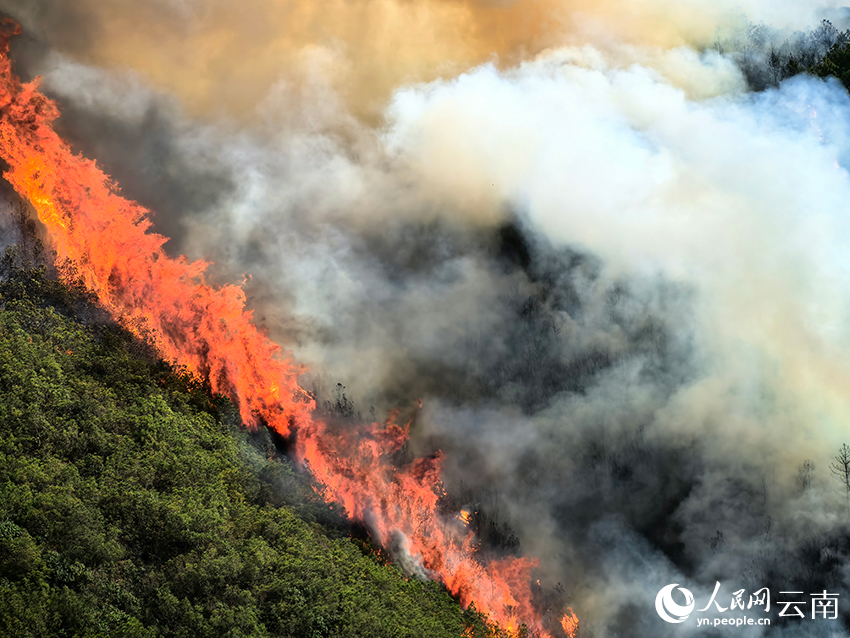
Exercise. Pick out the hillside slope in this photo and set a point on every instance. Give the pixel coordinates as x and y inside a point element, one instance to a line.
<point>131,504</point>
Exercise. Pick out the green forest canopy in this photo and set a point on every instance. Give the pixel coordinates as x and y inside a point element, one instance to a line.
<point>132,504</point>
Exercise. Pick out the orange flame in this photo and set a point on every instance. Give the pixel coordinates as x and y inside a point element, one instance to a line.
<point>209,331</point>
<point>569,623</point>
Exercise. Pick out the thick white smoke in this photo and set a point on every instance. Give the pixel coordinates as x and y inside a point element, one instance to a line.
<point>740,196</point>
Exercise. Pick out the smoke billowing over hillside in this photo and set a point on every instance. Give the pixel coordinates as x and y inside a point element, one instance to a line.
<point>616,277</point>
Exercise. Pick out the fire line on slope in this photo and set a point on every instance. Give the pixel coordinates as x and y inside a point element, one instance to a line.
<point>209,330</point>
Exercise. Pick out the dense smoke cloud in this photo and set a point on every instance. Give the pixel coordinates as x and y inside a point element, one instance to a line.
<point>198,50</point>
<point>737,202</point>
<point>617,279</point>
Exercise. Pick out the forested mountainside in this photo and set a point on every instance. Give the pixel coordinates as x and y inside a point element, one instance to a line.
<point>133,504</point>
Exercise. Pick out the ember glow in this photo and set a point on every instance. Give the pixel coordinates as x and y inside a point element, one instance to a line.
<point>104,239</point>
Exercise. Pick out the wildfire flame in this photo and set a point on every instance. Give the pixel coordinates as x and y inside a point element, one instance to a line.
<point>208,330</point>
<point>569,623</point>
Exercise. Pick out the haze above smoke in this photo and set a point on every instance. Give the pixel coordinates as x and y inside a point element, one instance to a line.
<point>221,57</point>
